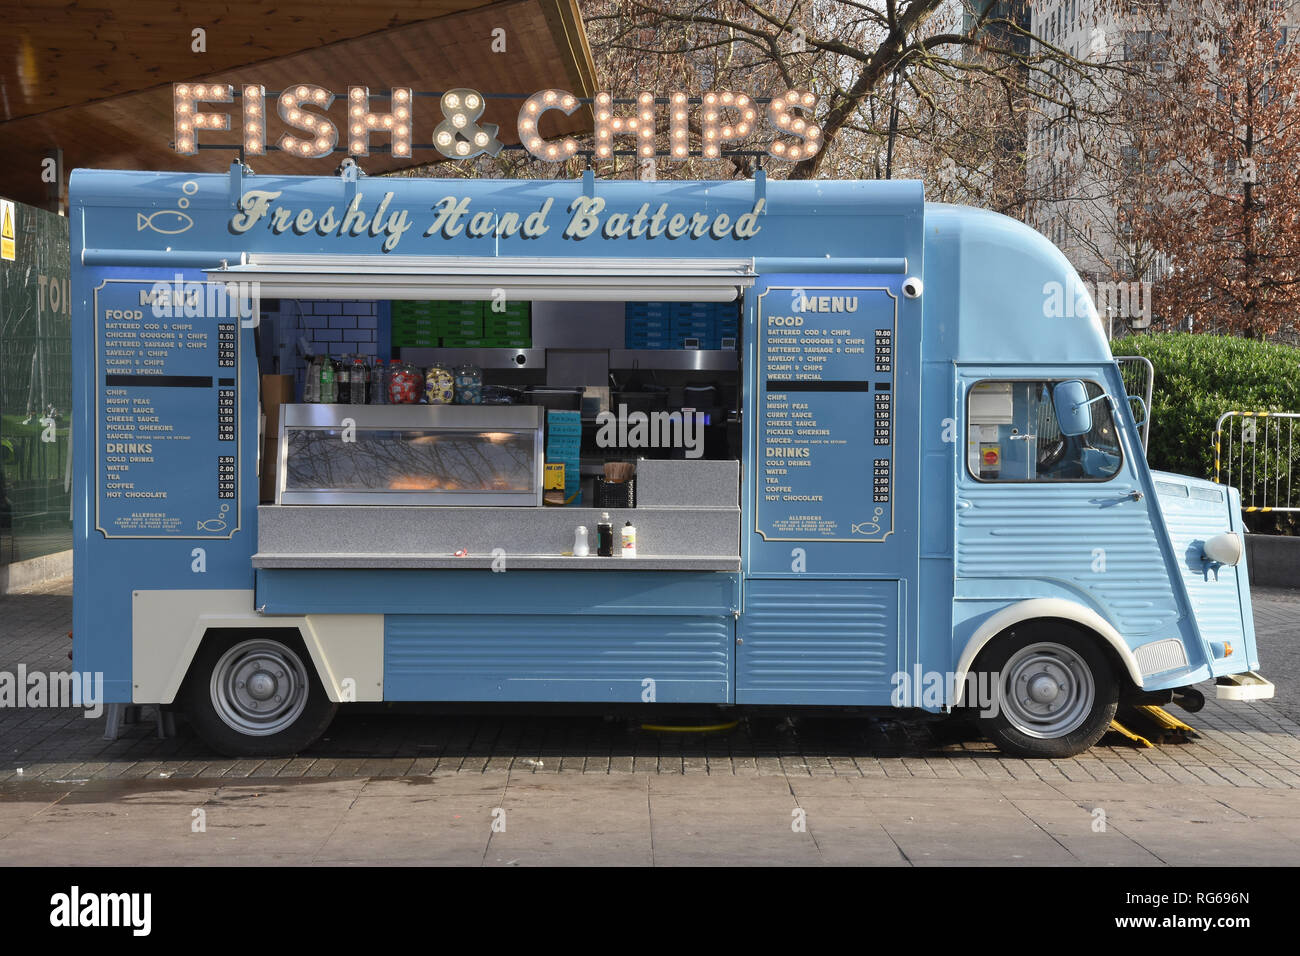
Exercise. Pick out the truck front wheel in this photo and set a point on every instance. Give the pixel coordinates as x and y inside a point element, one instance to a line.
<point>256,696</point>
<point>1053,692</point>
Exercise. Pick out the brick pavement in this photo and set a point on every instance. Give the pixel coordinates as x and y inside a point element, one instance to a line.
<point>1241,745</point>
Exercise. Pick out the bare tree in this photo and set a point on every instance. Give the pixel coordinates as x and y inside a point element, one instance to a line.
<point>957,80</point>
<point>1224,147</point>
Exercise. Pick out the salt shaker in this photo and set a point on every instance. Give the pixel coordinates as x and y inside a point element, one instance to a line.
<point>580,547</point>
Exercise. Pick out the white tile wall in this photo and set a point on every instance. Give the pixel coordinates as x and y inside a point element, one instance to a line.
<point>335,328</point>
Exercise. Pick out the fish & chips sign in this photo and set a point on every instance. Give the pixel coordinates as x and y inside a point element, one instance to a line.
<point>723,117</point>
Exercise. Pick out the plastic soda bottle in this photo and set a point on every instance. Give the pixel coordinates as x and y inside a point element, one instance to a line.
<point>360,387</point>
<point>328,394</point>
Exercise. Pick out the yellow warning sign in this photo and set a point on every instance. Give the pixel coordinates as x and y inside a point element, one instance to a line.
<point>8,244</point>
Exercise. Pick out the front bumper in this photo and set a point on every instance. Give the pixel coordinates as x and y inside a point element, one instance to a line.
<point>1247,686</point>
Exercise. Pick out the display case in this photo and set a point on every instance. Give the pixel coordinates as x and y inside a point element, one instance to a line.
<point>410,455</point>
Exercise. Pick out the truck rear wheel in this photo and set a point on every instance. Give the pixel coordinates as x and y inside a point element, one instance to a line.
<point>256,695</point>
<point>1054,693</point>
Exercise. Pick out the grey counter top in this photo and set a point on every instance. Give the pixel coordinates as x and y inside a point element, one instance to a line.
<point>556,562</point>
<point>425,535</point>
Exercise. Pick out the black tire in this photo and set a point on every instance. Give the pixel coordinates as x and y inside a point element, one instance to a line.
<point>1035,656</point>
<point>223,708</point>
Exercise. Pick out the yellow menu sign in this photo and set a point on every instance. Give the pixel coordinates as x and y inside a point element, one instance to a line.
<point>8,245</point>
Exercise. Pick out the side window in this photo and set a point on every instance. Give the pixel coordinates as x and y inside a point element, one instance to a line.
<point>1012,435</point>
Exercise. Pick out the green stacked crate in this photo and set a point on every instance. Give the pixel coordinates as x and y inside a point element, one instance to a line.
<point>459,322</point>
<point>414,324</point>
<point>462,324</point>
<point>408,309</point>
<point>460,328</point>
<point>457,310</point>
<point>510,328</point>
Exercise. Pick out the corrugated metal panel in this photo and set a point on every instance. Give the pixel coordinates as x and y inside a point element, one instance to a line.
<point>810,641</point>
<point>1160,656</point>
<point>1215,600</point>
<point>557,658</point>
<point>1069,533</point>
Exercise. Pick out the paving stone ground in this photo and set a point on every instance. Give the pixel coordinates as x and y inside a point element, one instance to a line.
<point>1240,745</point>
<point>392,786</point>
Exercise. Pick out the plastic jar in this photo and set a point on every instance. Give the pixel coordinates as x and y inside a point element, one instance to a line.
<point>469,385</point>
<point>439,386</point>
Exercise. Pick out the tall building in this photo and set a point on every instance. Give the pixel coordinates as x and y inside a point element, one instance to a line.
<point>1072,203</point>
<point>1076,172</point>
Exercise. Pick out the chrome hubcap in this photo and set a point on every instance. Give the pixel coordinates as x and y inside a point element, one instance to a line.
<point>259,687</point>
<point>1047,690</point>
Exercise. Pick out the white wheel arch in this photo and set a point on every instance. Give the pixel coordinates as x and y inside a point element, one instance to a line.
<point>1037,608</point>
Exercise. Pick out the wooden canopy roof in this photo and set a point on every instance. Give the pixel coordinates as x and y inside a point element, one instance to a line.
<point>95,80</point>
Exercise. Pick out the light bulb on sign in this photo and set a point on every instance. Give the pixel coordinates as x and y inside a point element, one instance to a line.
<point>677,129</point>
<point>185,100</point>
<point>364,120</point>
<point>716,130</point>
<point>642,125</point>
<point>457,136</point>
<point>254,102</point>
<point>292,109</point>
<point>804,134</point>
<point>530,117</point>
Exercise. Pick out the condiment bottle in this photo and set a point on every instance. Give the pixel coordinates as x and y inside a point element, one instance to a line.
<point>605,536</point>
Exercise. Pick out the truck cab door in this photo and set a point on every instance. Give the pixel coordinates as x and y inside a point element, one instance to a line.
<point>1043,514</point>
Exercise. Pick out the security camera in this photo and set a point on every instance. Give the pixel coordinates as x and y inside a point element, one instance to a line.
<point>912,287</point>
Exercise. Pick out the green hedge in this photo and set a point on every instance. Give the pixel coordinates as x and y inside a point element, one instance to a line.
<point>1197,379</point>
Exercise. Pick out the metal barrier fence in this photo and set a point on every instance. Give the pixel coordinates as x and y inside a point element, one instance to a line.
<point>1139,377</point>
<point>1257,452</point>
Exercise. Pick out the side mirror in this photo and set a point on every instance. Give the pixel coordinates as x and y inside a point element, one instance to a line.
<point>1071,402</point>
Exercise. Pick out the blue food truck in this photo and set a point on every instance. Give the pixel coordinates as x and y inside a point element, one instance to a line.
<point>872,467</point>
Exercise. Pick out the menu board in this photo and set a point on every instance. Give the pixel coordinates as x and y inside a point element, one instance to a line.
<point>825,414</point>
<point>167,410</point>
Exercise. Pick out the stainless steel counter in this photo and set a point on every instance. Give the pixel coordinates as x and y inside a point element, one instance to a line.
<point>428,536</point>
<point>512,561</point>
